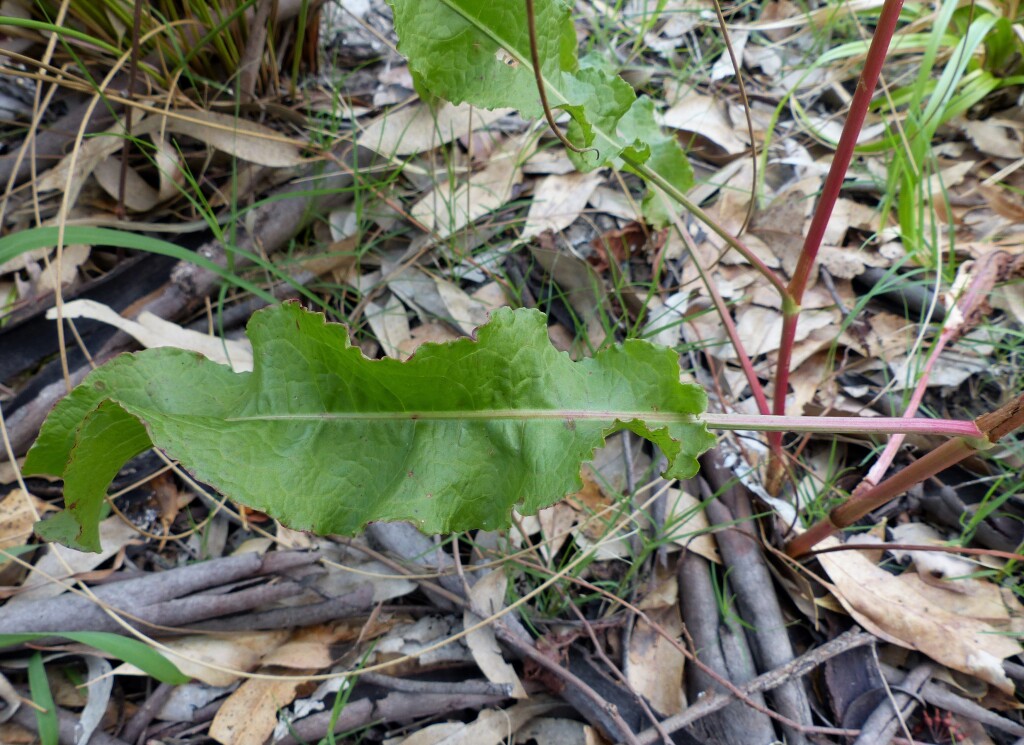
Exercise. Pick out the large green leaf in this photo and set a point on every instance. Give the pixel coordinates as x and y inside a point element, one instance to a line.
<point>327,440</point>
<point>468,50</point>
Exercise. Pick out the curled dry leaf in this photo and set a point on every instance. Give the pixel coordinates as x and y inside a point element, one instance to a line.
<point>72,257</point>
<point>153,332</point>
<point>98,687</point>
<point>935,621</point>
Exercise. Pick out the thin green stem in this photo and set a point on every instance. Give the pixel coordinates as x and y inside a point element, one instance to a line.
<point>666,186</point>
<point>538,74</point>
<point>756,389</point>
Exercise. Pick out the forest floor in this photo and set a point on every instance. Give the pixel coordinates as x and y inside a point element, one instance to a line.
<point>286,143</point>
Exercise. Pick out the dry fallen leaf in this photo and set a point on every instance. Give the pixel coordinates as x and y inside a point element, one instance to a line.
<point>60,562</point>
<point>151,332</point>
<point>451,205</point>
<point>389,324</point>
<point>249,715</point>
<point>558,200</point>
<point>217,660</point>
<point>492,727</point>
<point>418,128</point>
<point>554,730</point>
<point>685,520</point>
<point>488,596</point>
<point>71,258</point>
<point>904,610</point>
<point>18,510</point>
<point>243,139</point>
<point>703,116</point>
<point>655,669</point>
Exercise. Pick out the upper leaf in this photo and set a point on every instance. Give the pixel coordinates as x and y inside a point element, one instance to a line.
<point>468,50</point>
<point>327,440</point>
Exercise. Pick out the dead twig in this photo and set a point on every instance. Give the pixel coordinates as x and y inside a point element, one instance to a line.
<point>893,711</point>
<point>755,593</point>
<point>769,681</point>
<point>702,619</point>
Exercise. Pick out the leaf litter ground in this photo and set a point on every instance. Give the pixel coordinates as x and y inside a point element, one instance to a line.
<point>622,578</point>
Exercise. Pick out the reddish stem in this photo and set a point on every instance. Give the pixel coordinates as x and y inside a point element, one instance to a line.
<point>723,313</point>
<point>993,425</point>
<point>843,424</point>
<point>830,192</point>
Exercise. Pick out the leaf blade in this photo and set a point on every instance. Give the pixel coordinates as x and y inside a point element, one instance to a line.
<point>468,51</point>
<point>327,440</point>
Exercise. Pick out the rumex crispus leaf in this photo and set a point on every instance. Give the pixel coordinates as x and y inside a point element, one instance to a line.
<point>326,440</point>
<point>469,50</point>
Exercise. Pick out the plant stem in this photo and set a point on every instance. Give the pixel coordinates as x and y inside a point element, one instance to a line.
<point>756,389</point>
<point>666,186</point>
<point>993,426</point>
<point>984,276</point>
<point>842,424</point>
<point>823,212</point>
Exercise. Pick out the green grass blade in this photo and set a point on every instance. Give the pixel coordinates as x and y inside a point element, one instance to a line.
<point>18,243</point>
<point>39,688</point>
<point>123,648</point>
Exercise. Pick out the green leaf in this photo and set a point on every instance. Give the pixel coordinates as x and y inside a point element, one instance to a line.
<point>39,688</point>
<point>327,440</point>
<point>468,50</point>
<point>124,648</point>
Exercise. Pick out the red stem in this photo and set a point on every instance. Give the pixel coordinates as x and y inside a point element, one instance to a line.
<point>830,192</point>
<point>994,426</point>
<point>723,313</point>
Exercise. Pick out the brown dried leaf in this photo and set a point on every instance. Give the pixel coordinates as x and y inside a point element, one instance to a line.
<point>492,727</point>
<point>243,139</point>
<point>389,324</point>
<point>687,521</point>
<point>655,668</point>
<point>249,715</point>
<point>705,125</point>
<point>18,513</point>
<point>217,660</point>
<point>558,200</point>
<point>488,597</point>
<point>62,562</point>
<point>416,129</point>
<point>451,206</point>
<point>433,332</point>
<point>905,611</point>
